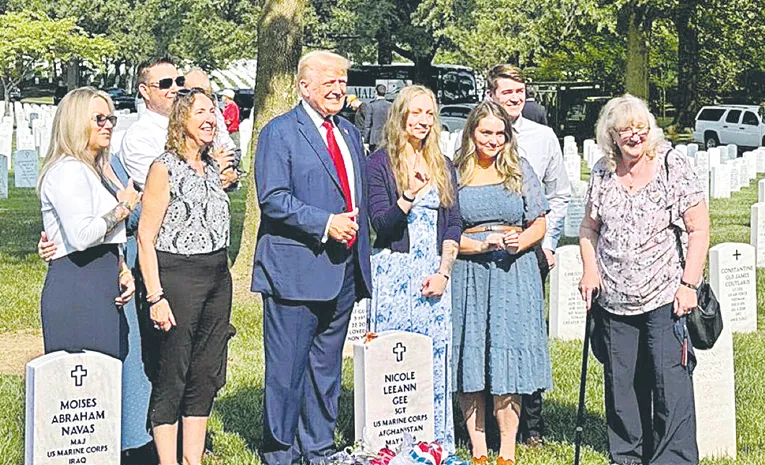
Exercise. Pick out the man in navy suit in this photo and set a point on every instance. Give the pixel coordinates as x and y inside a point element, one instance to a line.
<point>311,260</point>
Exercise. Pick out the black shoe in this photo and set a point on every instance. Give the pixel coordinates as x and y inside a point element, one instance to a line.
<point>534,441</point>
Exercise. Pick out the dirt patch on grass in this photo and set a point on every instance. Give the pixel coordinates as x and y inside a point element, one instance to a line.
<point>17,348</point>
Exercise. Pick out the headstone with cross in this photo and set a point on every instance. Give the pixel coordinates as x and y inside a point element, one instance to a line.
<point>733,277</point>
<point>393,388</point>
<point>567,309</point>
<point>73,409</point>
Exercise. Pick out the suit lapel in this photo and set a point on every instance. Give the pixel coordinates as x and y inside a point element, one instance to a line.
<point>308,130</point>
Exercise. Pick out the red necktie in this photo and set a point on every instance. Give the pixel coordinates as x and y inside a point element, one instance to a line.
<point>342,174</point>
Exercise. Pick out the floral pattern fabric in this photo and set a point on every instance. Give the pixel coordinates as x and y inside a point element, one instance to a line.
<point>197,217</point>
<point>500,334</point>
<point>398,304</point>
<point>637,252</point>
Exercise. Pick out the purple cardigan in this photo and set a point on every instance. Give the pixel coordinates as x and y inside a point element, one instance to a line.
<point>389,222</point>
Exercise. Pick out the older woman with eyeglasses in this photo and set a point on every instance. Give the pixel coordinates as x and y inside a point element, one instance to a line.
<point>632,257</point>
<point>83,210</point>
<point>183,236</point>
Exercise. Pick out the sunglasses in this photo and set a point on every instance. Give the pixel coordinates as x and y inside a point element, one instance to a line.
<point>186,92</point>
<point>102,119</point>
<point>166,83</point>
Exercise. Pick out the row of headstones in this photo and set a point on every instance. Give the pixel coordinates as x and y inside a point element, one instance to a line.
<point>733,279</point>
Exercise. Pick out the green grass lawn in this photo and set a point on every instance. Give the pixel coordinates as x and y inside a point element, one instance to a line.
<point>236,423</point>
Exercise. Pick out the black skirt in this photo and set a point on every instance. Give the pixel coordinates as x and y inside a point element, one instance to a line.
<point>77,303</point>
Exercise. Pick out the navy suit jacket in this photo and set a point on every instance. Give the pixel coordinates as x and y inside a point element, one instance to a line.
<point>298,189</point>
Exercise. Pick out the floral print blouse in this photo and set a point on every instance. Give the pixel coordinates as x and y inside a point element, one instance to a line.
<point>637,252</point>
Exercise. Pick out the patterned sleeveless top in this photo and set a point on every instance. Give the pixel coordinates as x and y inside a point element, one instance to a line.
<point>198,216</point>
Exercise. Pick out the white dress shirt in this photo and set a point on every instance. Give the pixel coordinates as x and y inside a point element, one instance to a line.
<point>540,147</point>
<point>144,141</point>
<point>73,202</point>
<point>318,120</point>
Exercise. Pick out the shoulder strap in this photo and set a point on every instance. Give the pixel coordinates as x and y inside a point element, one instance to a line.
<point>675,228</point>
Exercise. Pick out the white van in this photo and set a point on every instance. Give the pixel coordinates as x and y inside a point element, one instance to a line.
<point>730,124</point>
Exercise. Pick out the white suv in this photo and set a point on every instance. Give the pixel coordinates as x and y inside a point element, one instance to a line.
<point>730,124</point>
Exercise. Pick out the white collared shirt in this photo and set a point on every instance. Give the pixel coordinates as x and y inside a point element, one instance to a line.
<point>538,144</point>
<point>318,120</point>
<point>144,141</point>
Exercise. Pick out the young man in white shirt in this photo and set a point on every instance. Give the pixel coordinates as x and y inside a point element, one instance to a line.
<point>158,82</point>
<point>539,145</point>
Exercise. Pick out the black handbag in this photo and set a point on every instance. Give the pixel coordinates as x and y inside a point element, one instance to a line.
<point>705,324</point>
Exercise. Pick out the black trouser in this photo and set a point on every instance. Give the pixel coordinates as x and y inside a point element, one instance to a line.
<point>650,409</point>
<point>531,422</point>
<point>192,355</point>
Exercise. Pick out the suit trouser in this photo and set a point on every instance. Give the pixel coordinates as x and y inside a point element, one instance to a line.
<point>650,409</point>
<point>531,422</point>
<point>303,344</point>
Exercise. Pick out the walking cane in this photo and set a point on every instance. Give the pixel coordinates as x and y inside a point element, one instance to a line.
<point>583,384</point>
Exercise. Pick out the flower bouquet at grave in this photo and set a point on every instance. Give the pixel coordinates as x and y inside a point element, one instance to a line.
<point>407,453</point>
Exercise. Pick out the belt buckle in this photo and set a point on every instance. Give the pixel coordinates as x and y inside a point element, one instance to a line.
<point>490,227</point>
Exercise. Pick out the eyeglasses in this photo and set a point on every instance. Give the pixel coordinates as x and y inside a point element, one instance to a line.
<point>182,93</point>
<point>638,134</point>
<point>102,119</point>
<point>166,83</point>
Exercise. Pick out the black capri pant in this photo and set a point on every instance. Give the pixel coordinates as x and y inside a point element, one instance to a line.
<point>191,363</point>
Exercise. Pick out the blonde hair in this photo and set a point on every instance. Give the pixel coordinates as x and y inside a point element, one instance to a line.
<point>395,137</point>
<point>619,113</point>
<point>319,59</point>
<point>70,134</point>
<point>507,161</point>
<point>179,114</point>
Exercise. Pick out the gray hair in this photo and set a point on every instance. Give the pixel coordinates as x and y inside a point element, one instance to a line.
<point>619,113</point>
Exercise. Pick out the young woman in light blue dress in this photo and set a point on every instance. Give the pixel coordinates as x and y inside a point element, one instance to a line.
<point>500,337</point>
<point>414,211</point>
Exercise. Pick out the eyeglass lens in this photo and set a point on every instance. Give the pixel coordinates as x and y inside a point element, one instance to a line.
<point>167,83</point>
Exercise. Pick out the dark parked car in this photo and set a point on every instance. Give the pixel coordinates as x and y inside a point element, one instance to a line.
<point>122,100</point>
<point>245,98</point>
<point>15,94</point>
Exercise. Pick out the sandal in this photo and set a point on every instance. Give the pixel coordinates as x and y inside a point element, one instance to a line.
<point>501,461</point>
<point>482,460</point>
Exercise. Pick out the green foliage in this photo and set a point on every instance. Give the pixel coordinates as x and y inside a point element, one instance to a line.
<point>29,39</point>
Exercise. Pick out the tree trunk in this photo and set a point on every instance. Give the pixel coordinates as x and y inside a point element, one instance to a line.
<point>688,72</point>
<point>73,74</point>
<point>636,77</point>
<point>384,48</point>
<point>280,40</point>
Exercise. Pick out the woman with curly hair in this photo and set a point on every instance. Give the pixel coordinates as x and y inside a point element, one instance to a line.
<point>415,213</point>
<point>500,336</point>
<point>183,236</point>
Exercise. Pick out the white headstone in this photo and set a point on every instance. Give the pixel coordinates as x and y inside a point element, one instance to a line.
<point>25,140</point>
<point>245,135</point>
<point>720,182</point>
<point>702,172</point>
<point>750,159</point>
<point>573,166</point>
<point>575,212</point>
<point>734,176</point>
<point>733,277</point>
<point>25,167</point>
<point>715,399</point>
<point>743,173</point>
<point>714,156</point>
<point>693,149</point>
<point>567,309</point>
<point>761,190</point>
<point>73,409</point>
<point>393,389</point>
<point>760,154</point>
<point>732,151</point>
<point>3,176</point>
<point>357,327</point>
<point>757,233</point>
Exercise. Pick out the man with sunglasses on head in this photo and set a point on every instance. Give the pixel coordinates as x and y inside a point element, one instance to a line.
<point>539,145</point>
<point>158,82</point>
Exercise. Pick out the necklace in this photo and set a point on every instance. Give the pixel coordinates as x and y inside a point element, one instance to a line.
<point>634,176</point>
